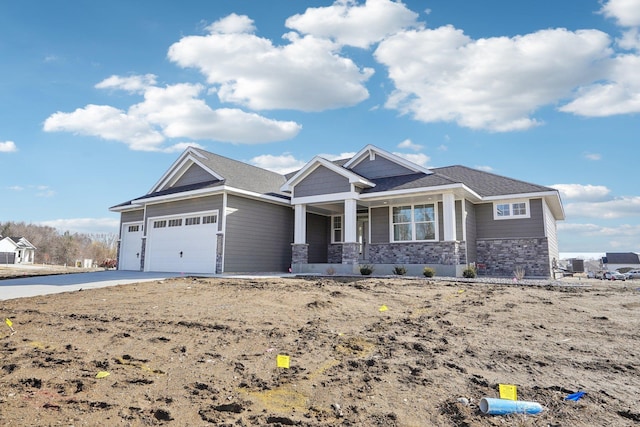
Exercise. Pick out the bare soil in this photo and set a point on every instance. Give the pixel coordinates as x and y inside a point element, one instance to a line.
<point>200,352</point>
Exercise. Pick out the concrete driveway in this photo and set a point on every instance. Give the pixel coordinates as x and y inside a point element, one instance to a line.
<point>43,285</point>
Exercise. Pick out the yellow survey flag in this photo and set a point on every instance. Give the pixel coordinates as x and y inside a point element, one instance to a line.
<point>383,308</point>
<point>282,361</point>
<point>102,374</point>
<point>8,322</point>
<point>508,391</point>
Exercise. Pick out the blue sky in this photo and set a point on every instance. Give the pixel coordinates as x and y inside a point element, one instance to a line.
<point>99,98</point>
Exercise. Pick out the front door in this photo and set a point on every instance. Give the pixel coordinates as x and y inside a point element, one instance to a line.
<point>363,238</point>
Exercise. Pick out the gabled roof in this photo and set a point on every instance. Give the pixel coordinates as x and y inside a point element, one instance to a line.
<point>19,242</point>
<point>370,151</point>
<point>318,161</point>
<point>223,171</point>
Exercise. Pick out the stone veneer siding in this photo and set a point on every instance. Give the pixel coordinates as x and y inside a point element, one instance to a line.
<point>446,253</point>
<point>502,256</point>
<point>350,253</point>
<point>334,254</point>
<point>219,249</point>
<point>299,253</point>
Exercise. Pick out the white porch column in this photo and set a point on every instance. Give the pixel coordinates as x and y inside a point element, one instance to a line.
<point>300,225</point>
<point>449,216</point>
<point>350,221</point>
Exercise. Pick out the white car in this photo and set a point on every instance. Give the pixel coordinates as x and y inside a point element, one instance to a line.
<point>613,275</point>
<point>632,274</point>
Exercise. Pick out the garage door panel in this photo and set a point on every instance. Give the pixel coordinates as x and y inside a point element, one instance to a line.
<point>182,248</point>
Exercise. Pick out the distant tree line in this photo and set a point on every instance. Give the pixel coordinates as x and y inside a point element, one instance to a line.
<point>63,248</point>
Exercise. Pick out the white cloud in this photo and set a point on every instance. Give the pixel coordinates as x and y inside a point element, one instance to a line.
<point>408,144</point>
<point>598,238</point>
<point>625,12</point>
<point>341,156</point>
<point>85,225</point>
<point>306,74</point>
<point>16,188</point>
<point>353,24</point>
<point>282,164</point>
<point>417,158</point>
<point>484,168</point>
<point>174,111</point>
<point>620,94</point>
<point>8,147</point>
<point>630,40</point>
<point>134,84</point>
<point>619,207</point>
<point>593,156</point>
<point>581,192</point>
<point>107,123</point>
<point>443,75</point>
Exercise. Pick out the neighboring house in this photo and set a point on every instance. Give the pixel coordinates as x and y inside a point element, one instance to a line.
<point>374,208</point>
<point>615,260</point>
<point>16,250</point>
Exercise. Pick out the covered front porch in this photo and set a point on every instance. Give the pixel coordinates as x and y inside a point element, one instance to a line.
<point>416,231</point>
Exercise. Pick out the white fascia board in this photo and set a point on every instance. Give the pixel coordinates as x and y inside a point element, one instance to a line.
<point>318,161</point>
<point>326,198</point>
<point>258,196</point>
<point>131,207</point>
<point>417,191</point>
<point>180,166</point>
<point>366,151</point>
<point>182,195</point>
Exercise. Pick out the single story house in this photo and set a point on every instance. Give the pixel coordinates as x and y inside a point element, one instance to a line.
<point>211,214</point>
<point>16,250</point>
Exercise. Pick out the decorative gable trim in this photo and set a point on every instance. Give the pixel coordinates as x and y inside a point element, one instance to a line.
<point>371,151</point>
<point>179,167</point>
<point>315,163</point>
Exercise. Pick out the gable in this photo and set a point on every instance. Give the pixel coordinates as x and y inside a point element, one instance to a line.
<point>380,167</point>
<point>321,180</point>
<point>193,175</point>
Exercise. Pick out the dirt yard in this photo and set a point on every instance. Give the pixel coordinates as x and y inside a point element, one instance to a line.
<point>362,352</point>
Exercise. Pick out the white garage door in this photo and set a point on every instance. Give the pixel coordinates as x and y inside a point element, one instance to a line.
<point>130,246</point>
<point>185,244</point>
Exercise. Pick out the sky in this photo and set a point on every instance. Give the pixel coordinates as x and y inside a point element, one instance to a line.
<point>98,99</point>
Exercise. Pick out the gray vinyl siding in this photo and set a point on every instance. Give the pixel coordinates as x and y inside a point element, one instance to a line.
<point>193,175</point>
<point>318,238</point>
<point>258,236</point>
<point>380,167</point>
<point>379,225</point>
<point>488,228</point>
<point>459,229</point>
<point>184,207</point>
<point>321,181</point>
<point>470,237</point>
<point>132,216</point>
<point>551,233</point>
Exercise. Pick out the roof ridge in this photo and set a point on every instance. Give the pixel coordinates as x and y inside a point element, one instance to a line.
<point>496,175</point>
<point>244,164</point>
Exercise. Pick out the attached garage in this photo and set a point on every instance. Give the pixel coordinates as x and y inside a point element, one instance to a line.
<point>182,243</point>
<point>130,246</point>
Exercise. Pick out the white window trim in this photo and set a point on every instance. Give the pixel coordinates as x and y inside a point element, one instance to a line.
<point>341,229</point>
<point>413,223</point>
<point>511,215</point>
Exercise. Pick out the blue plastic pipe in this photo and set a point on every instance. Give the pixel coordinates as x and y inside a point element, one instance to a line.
<point>492,406</point>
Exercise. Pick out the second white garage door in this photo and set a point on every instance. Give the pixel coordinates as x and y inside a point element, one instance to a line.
<point>185,244</point>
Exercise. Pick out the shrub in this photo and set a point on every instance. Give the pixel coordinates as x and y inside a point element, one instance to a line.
<point>469,273</point>
<point>428,272</point>
<point>366,269</point>
<point>519,273</point>
<point>399,270</point>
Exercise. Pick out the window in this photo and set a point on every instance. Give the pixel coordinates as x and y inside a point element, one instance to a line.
<point>511,210</point>
<point>160,223</point>
<point>134,228</point>
<point>209,219</point>
<point>175,222</point>
<point>336,229</point>
<point>417,222</point>
<point>192,221</point>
